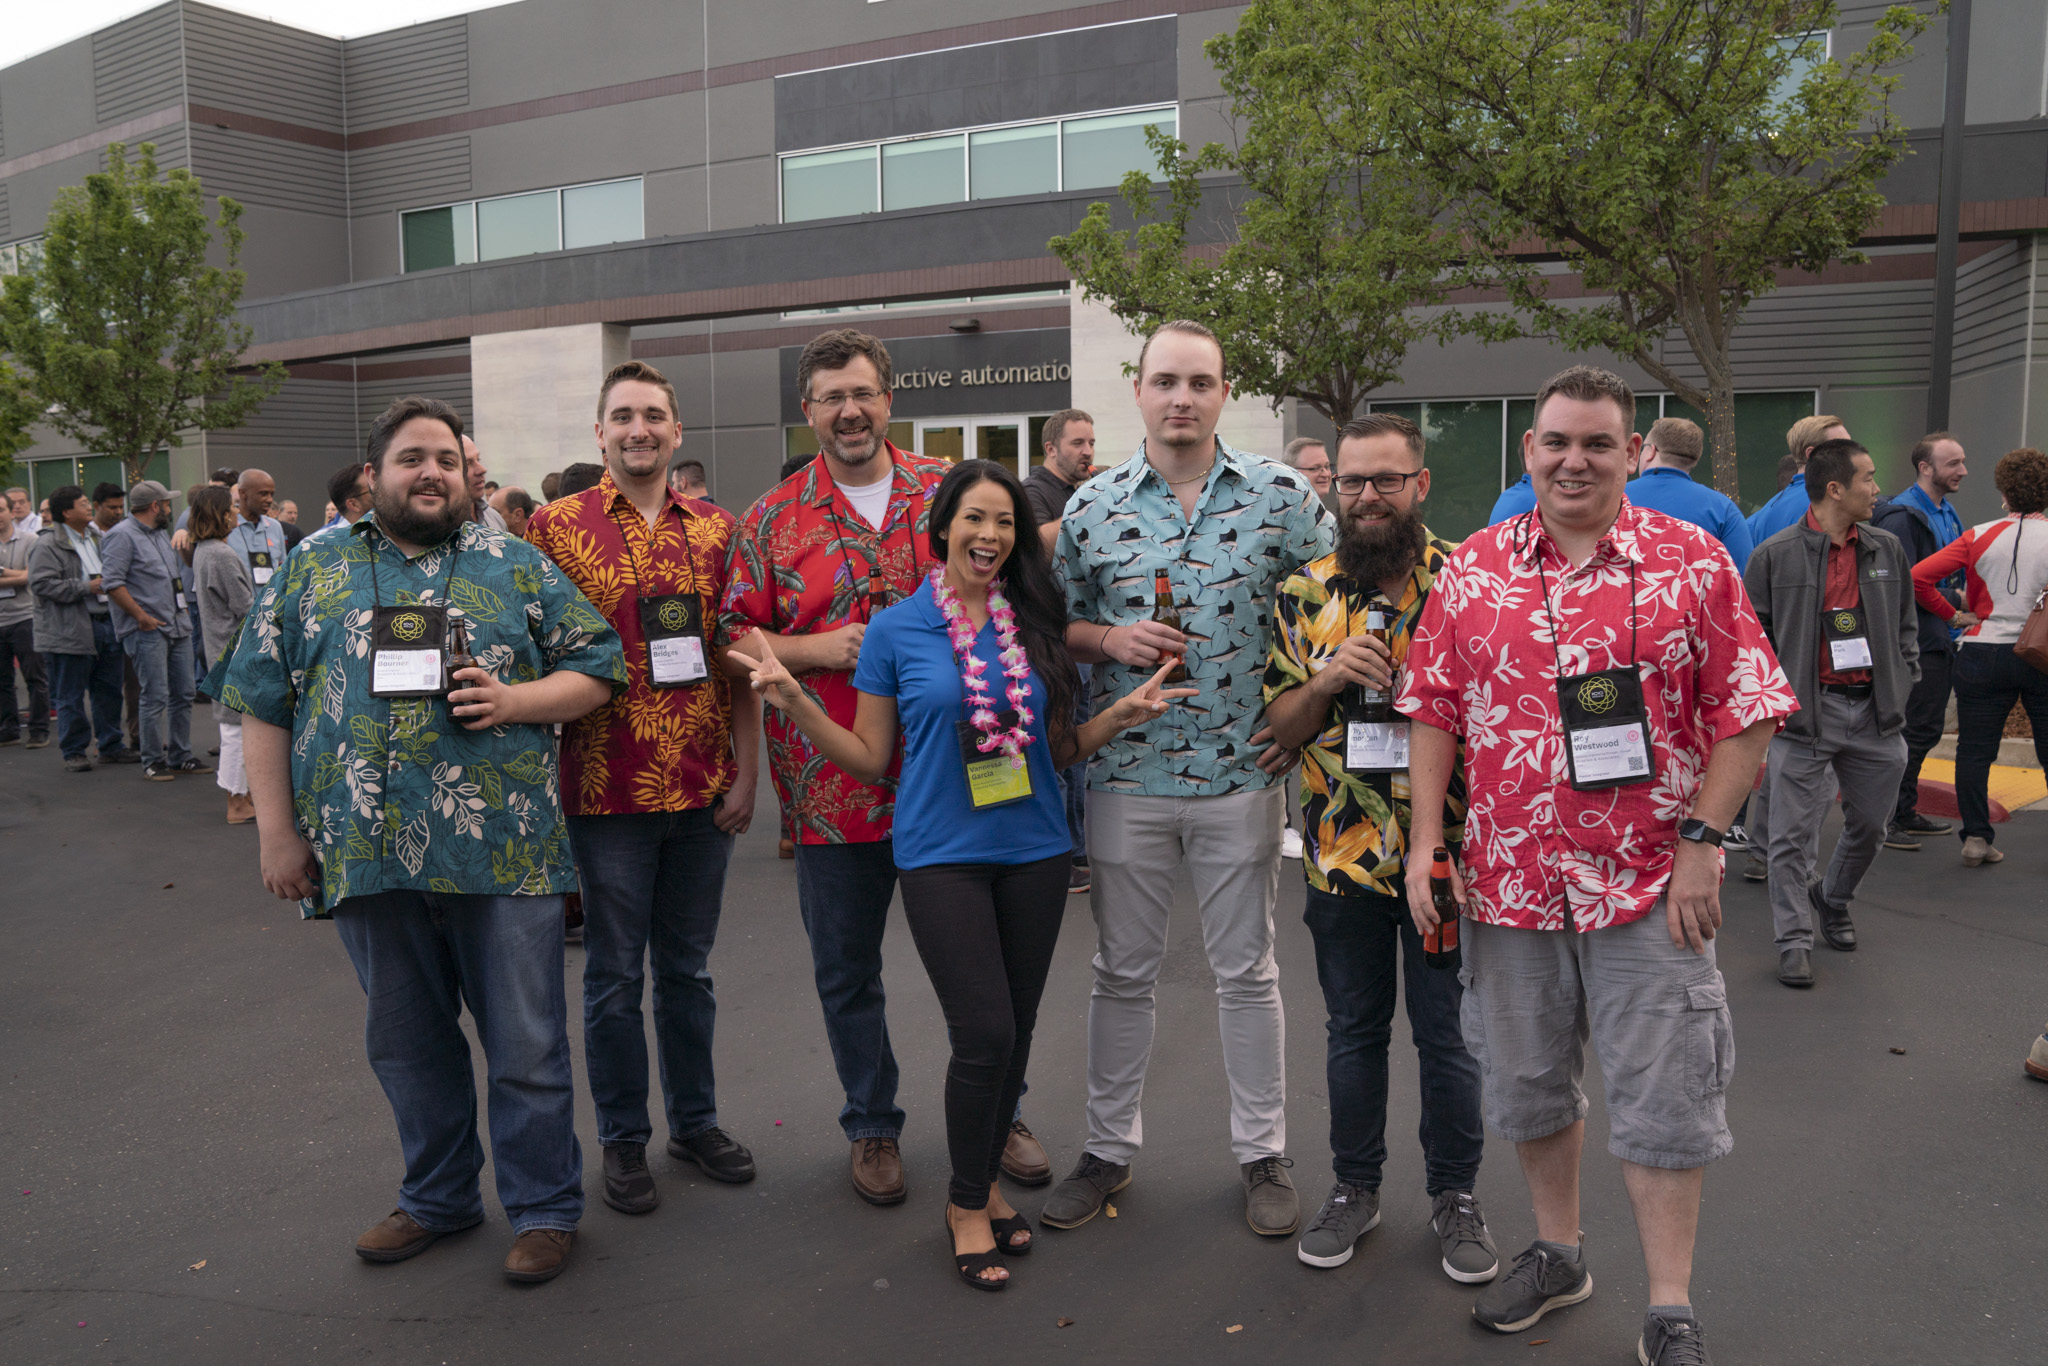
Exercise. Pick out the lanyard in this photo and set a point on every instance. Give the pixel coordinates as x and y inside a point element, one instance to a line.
<point>634,549</point>
<point>1557,656</point>
<point>377,587</point>
<point>877,585</point>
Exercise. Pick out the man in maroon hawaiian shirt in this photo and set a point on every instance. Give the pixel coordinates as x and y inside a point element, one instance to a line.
<point>815,558</point>
<point>1615,693</point>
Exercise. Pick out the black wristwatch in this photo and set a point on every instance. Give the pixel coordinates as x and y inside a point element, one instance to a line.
<point>1701,833</point>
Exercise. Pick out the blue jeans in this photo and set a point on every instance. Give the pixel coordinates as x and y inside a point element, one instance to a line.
<point>420,957</point>
<point>164,669</point>
<point>653,883</point>
<point>843,892</point>
<point>1989,679</point>
<point>1358,937</point>
<point>74,678</point>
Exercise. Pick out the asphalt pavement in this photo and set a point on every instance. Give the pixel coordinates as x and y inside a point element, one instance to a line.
<point>193,1141</point>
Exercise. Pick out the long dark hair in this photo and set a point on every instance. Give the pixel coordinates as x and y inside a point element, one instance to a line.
<point>1028,583</point>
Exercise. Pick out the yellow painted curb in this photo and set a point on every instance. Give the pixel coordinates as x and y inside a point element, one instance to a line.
<point>2012,788</point>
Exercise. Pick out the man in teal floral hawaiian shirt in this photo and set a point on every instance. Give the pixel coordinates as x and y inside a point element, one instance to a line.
<point>430,827</point>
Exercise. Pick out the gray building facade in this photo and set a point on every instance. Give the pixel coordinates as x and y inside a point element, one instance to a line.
<point>494,207</point>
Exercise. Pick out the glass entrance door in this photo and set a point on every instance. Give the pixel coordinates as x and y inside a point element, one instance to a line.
<point>1011,440</point>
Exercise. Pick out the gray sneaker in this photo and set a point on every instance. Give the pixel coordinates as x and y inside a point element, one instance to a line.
<point>1270,1205</point>
<point>1671,1342</point>
<point>1537,1284</point>
<point>1074,1201</point>
<point>1347,1215</point>
<point>1469,1254</point>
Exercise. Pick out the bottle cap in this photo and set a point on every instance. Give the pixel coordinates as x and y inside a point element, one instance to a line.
<point>1440,859</point>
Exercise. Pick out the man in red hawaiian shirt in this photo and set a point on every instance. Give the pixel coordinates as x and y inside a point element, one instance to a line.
<point>815,558</point>
<point>656,784</point>
<point>1615,694</point>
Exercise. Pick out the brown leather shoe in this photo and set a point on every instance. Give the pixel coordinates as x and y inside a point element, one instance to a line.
<point>241,810</point>
<point>539,1254</point>
<point>785,849</point>
<point>1024,1159</point>
<point>394,1238</point>
<point>878,1171</point>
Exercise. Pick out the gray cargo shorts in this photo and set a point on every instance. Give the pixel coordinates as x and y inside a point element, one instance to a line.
<point>1658,1018</point>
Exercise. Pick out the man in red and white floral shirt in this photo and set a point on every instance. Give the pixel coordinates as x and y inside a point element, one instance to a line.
<point>1615,694</point>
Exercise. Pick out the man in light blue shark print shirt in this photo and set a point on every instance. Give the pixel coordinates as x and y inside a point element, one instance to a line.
<point>1197,788</point>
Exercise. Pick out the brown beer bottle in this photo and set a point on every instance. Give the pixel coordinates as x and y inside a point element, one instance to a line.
<point>1166,613</point>
<point>1375,704</point>
<point>459,656</point>
<point>1440,945</point>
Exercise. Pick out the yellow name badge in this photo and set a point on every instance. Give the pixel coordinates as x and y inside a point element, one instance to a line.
<point>993,782</point>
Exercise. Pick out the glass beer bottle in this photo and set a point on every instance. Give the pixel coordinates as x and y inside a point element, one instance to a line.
<point>1440,945</point>
<point>1376,704</point>
<point>1167,613</point>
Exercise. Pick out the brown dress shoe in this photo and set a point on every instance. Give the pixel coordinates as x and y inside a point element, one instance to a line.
<point>241,810</point>
<point>539,1254</point>
<point>785,849</point>
<point>394,1238</point>
<point>878,1171</point>
<point>1024,1159</point>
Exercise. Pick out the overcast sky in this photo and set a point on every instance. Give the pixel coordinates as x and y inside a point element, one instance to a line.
<point>31,27</point>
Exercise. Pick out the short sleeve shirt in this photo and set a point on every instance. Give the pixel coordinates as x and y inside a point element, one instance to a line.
<point>1483,666</point>
<point>394,793</point>
<point>142,561</point>
<point>265,536</point>
<point>907,655</point>
<point>804,562</point>
<point>649,748</point>
<point>1354,826</point>
<point>1255,522</point>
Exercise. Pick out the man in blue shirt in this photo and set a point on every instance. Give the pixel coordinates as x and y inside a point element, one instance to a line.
<point>1667,486</point>
<point>258,538</point>
<point>1516,499</point>
<point>1924,521</point>
<point>1789,507</point>
<point>144,577</point>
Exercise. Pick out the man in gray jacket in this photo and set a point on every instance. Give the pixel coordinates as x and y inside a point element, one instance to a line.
<point>74,631</point>
<point>16,637</point>
<point>1835,595</point>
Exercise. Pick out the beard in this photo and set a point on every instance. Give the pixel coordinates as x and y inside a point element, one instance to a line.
<point>397,516</point>
<point>1373,552</point>
<point>856,448</point>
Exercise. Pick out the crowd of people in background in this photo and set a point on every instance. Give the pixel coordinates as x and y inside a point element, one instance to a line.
<point>454,706</point>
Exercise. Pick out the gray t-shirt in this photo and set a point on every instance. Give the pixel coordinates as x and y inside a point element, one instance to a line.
<point>15,603</point>
<point>142,561</point>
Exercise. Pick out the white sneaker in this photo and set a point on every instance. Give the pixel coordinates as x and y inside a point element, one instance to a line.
<point>1290,843</point>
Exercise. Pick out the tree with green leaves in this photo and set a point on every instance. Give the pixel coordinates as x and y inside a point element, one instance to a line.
<point>1338,261</point>
<point>18,410</point>
<point>1677,155</point>
<point>123,328</point>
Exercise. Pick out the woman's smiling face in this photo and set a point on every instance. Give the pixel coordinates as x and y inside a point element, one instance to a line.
<point>982,533</point>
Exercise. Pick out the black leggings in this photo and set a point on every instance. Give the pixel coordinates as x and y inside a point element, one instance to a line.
<point>986,933</point>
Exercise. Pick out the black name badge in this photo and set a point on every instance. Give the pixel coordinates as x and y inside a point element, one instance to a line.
<point>260,567</point>
<point>1606,729</point>
<point>673,624</point>
<point>1848,638</point>
<point>408,652</point>
<point>991,778</point>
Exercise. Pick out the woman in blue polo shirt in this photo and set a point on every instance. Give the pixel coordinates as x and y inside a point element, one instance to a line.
<point>968,670</point>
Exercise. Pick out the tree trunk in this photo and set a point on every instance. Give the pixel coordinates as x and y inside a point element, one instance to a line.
<point>1721,430</point>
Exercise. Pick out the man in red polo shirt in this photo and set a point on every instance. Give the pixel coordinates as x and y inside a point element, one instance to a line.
<point>815,558</point>
<point>656,784</point>
<point>1615,694</point>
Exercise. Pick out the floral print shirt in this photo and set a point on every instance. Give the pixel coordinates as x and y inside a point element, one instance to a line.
<point>649,748</point>
<point>805,562</point>
<point>1354,826</point>
<point>394,793</point>
<point>1483,664</point>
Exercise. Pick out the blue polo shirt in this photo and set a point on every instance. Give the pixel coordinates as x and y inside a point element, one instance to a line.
<point>1942,518</point>
<point>906,655</point>
<point>1515,500</point>
<point>1782,511</point>
<point>1675,493</point>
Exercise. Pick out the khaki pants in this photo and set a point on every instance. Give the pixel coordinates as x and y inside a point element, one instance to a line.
<point>1231,848</point>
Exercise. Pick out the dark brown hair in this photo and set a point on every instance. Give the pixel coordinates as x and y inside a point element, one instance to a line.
<point>1056,425</point>
<point>1589,384</point>
<point>1383,424</point>
<point>1923,449</point>
<point>835,350</point>
<point>2022,479</point>
<point>213,514</point>
<point>646,374</point>
<point>402,411</point>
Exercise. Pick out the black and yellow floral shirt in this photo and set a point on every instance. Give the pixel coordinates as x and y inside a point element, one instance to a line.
<point>1354,825</point>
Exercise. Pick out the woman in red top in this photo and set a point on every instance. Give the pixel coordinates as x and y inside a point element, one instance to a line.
<point>2005,566</point>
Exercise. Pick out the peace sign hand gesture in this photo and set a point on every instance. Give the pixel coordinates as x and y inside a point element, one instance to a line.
<point>1149,700</point>
<point>773,681</point>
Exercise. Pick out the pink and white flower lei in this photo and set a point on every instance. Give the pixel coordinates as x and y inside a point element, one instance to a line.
<point>1016,668</point>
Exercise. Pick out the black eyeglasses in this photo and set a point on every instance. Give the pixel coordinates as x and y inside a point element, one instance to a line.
<point>1351,485</point>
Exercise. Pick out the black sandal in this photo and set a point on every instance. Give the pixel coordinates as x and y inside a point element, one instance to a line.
<point>1006,1229</point>
<point>972,1264</point>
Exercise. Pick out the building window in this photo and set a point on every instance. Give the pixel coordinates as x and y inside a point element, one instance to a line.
<point>1475,447</point>
<point>523,224</point>
<point>17,257</point>
<point>983,163</point>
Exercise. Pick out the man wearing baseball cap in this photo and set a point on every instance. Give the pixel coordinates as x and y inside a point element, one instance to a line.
<point>145,578</point>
